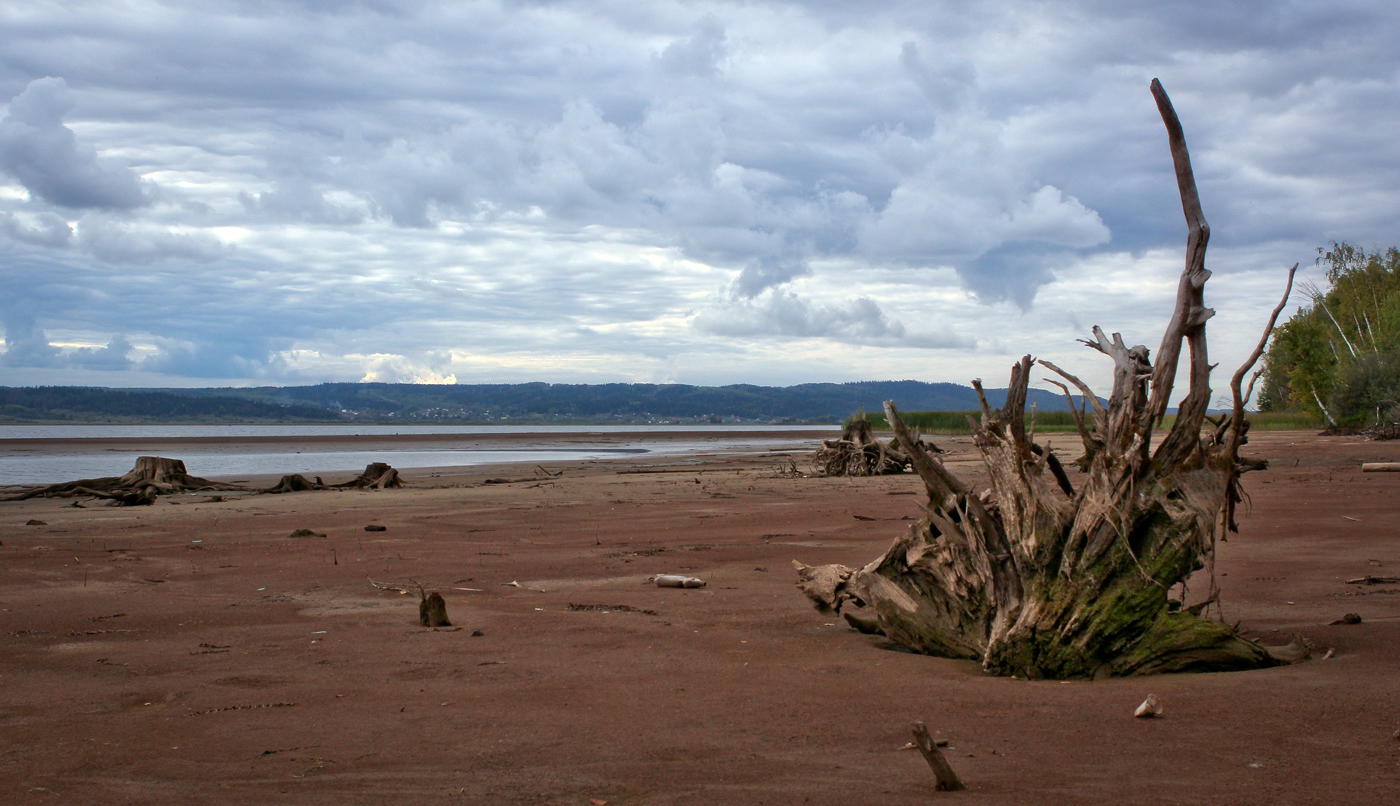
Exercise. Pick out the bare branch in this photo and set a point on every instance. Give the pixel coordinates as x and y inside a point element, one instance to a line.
<point>943,487</point>
<point>1089,395</point>
<point>1189,300</point>
<point>1237,414</point>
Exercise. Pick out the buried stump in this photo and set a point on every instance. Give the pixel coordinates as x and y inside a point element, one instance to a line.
<point>432,609</point>
<point>947,780</point>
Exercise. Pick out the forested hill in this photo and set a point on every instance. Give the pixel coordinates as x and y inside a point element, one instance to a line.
<point>82,404</point>
<point>485,403</point>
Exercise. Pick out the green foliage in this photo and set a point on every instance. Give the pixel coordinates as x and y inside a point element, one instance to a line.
<point>955,422</point>
<point>81,404</point>
<point>1338,358</point>
<point>1276,421</point>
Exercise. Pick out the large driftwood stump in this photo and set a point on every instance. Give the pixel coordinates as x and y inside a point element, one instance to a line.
<point>858,453</point>
<point>150,477</point>
<point>1037,578</point>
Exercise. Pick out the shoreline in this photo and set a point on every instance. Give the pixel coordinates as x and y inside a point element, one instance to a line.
<point>533,437</point>
<point>38,461</point>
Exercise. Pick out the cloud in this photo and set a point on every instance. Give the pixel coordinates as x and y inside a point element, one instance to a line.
<point>785,314</point>
<point>945,85</point>
<point>560,187</point>
<point>39,229</point>
<point>25,344</point>
<point>698,54</point>
<point>46,157</point>
<point>209,356</point>
<point>113,357</point>
<point>398,369</point>
<point>301,201</point>
<point>766,272</point>
<point>116,241</point>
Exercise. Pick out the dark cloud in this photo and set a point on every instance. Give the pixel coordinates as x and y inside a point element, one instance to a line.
<point>25,344</point>
<point>1015,270</point>
<point>46,157</point>
<point>215,355</point>
<point>113,357</point>
<point>766,272</point>
<point>40,229</point>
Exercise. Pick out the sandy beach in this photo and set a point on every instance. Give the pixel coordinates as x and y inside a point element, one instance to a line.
<point>193,652</point>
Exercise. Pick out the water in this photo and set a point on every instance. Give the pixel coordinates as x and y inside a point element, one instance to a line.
<point>167,431</point>
<point>49,464</point>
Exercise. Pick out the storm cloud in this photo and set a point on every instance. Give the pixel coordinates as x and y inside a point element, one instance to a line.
<point>45,156</point>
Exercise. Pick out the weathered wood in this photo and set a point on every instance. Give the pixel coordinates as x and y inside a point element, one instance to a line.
<point>293,483</point>
<point>376,476</point>
<point>1150,708</point>
<point>1380,467</point>
<point>1374,580</point>
<point>1041,577</point>
<point>149,477</point>
<point>858,453</point>
<point>432,610</point>
<point>948,780</point>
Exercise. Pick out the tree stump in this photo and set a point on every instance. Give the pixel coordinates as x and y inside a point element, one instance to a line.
<point>377,475</point>
<point>151,476</point>
<point>858,453</point>
<point>432,610</point>
<point>1040,579</point>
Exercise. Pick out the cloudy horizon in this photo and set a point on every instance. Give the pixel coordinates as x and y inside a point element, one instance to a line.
<point>262,192</point>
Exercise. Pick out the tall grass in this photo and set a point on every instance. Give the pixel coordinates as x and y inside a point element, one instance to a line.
<point>955,422</point>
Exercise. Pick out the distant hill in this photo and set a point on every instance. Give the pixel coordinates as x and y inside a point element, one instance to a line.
<point>82,404</point>
<point>495,403</point>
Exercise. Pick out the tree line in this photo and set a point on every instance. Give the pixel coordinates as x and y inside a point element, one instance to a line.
<point>1338,357</point>
<point>81,404</point>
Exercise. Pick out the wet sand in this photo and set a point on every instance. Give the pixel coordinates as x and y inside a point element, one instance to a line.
<point>193,652</point>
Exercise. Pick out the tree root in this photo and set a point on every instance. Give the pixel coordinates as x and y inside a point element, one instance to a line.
<point>1041,577</point>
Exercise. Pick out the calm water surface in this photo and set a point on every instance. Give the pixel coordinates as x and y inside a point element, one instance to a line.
<point>23,465</point>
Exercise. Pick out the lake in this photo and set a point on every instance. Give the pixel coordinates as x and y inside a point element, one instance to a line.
<point>46,454</point>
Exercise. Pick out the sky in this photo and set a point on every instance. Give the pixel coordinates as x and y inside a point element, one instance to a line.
<point>268,193</point>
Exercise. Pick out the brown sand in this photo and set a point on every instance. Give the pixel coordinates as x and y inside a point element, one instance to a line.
<point>140,666</point>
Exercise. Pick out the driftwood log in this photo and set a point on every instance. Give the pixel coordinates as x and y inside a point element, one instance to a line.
<point>859,453</point>
<point>152,476</point>
<point>1040,578</point>
<point>377,476</point>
